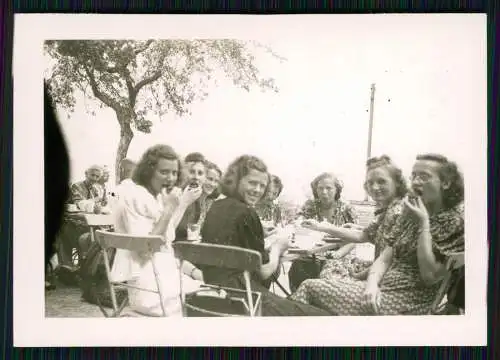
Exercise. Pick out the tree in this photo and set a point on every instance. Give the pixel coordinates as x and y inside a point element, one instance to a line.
<point>139,78</point>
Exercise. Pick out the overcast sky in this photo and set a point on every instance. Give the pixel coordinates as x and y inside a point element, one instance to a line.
<point>430,75</point>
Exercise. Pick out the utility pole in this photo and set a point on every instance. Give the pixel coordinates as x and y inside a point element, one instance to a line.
<point>370,127</point>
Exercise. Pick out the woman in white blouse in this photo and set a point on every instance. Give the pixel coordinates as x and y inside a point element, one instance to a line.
<point>145,208</point>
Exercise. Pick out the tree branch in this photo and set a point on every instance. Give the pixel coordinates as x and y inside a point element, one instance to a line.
<point>134,90</point>
<point>147,81</point>
<point>97,93</point>
<point>144,47</point>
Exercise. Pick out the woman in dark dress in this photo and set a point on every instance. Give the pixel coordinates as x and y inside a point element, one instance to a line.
<point>233,221</point>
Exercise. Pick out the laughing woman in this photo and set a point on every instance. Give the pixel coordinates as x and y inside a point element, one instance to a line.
<point>405,278</point>
<point>233,221</point>
<point>386,185</point>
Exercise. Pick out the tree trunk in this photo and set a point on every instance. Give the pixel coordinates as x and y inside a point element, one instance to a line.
<point>126,136</point>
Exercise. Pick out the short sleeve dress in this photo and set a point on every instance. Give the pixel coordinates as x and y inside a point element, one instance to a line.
<point>231,222</point>
<point>378,233</point>
<point>402,290</point>
<point>303,269</point>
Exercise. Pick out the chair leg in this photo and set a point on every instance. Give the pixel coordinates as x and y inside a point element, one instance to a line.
<point>181,290</point>
<point>158,284</point>
<point>111,288</point>
<point>246,274</point>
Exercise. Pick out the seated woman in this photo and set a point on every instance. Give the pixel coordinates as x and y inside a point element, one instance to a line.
<point>144,209</point>
<point>405,278</point>
<point>268,209</point>
<point>194,174</point>
<point>386,185</point>
<point>326,206</point>
<point>233,221</point>
<point>211,190</point>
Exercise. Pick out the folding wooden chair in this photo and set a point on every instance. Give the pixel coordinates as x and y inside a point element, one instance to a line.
<point>228,257</point>
<point>148,245</point>
<point>96,221</point>
<point>455,262</point>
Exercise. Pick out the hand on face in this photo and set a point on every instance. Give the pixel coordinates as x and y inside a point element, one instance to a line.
<point>191,194</point>
<point>171,199</point>
<point>416,208</point>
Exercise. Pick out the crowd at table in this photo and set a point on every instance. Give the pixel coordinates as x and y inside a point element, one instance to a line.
<point>417,225</point>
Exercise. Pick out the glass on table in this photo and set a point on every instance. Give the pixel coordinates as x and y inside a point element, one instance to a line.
<point>193,232</point>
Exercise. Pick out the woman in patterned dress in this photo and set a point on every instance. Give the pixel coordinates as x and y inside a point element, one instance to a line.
<point>386,185</point>
<point>405,278</point>
<point>328,206</point>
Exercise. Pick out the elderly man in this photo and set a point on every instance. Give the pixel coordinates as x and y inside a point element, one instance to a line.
<point>86,189</point>
<point>73,227</point>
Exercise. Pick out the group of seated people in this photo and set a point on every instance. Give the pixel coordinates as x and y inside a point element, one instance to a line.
<point>415,229</point>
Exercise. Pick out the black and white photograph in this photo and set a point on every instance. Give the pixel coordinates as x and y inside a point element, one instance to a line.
<point>306,179</point>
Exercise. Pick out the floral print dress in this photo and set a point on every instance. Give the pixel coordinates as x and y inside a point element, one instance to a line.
<point>306,268</point>
<point>402,291</point>
<point>376,233</point>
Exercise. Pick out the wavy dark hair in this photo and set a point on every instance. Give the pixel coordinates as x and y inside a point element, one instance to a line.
<point>338,185</point>
<point>238,169</point>
<point>146,166</point>
<point>195,157</point>
<point>384,161</point>
<point>211,166</point>
<point>448,172</point>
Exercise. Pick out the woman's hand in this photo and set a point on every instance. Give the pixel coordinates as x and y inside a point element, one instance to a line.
<point>352,226</point>
<point>197,274</point>
<point>371,298</point>
<point>191,194</point>
<point>360,275</point>
<point>311,224</point>
<point>172,199</point>
<point>281,244</point>
<point>417,209</point>
<point>269,231</point>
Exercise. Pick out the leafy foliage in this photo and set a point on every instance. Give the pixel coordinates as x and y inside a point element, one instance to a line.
<point>136,78</point>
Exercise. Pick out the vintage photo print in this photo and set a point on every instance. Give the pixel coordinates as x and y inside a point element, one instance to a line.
<point>253,180</point>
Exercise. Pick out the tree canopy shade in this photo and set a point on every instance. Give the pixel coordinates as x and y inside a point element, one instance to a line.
<point>138,78</point>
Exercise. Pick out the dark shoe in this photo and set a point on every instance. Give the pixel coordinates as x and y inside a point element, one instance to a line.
<point>49,286</point>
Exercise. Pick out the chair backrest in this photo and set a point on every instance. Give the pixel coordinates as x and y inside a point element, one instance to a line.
<point>455,261</point>
<point>129,242</point>
<point>222,256</point>
<point>99,219</point>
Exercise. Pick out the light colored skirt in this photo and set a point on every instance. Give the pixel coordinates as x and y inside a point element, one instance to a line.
<point>139,272</point>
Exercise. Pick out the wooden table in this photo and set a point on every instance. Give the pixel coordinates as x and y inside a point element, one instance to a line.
<point>74,225</point>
